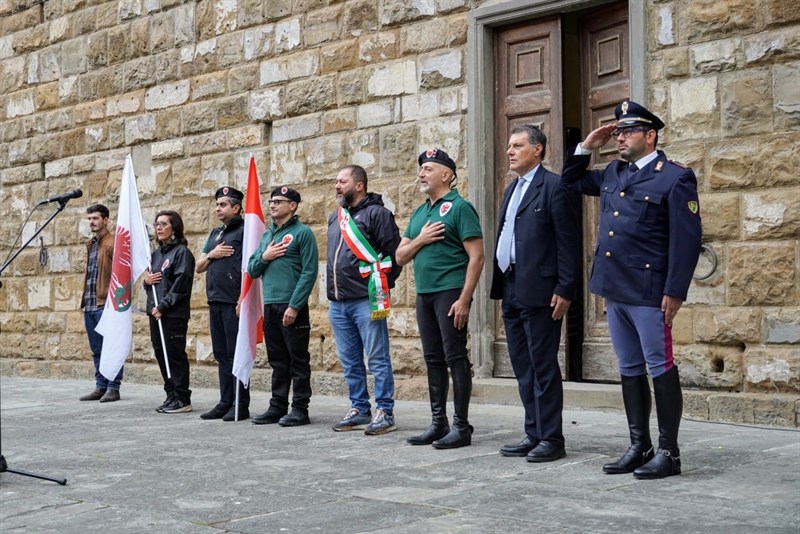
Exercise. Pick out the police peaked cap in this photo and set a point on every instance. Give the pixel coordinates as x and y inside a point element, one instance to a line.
<point>287,192</point>
<point>230,192</point>
<point>437,155</point>
<point>629,113</point>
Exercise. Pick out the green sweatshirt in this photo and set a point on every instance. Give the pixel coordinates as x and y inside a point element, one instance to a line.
<point>290,278</point>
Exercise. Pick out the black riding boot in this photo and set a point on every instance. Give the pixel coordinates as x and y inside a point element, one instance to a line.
<point>636,397</point>
<point>669,408</point>
<point>460,434</point>
<point>438,384</point>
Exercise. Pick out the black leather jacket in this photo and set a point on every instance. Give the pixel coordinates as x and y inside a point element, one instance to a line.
<point>176,263</point>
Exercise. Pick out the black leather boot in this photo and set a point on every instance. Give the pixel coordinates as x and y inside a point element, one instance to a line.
<point>636,397</point>
<point>438,384</point>
<point>669,408</point>
<point>460,434</point>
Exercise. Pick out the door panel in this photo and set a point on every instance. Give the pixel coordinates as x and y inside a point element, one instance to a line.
<point>606,80</point>
<point>528,81</point>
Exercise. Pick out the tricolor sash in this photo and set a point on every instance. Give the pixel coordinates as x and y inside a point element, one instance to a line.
<point>371,266</point>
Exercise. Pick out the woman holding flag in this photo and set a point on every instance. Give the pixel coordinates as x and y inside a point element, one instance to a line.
<point>169,289</point>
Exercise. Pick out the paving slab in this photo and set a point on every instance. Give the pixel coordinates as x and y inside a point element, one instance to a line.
<point>130,469</point>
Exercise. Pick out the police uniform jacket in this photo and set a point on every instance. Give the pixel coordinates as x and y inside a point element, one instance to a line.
<point>224,275</point>
<point>650,233</point>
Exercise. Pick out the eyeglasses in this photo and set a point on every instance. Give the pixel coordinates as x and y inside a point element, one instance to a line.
<point>162,224</point>
<point>627,132</point>
<point>277,201</point>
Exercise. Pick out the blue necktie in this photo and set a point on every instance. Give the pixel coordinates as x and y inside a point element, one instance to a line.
<point>629,172</point>
<point>507,234</point>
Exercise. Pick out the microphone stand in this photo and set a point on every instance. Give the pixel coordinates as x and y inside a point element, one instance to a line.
<point>3,464</point>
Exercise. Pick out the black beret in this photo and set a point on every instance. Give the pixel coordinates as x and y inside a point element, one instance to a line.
<point>437,155</point>
<point>287,192</point>
<point>630,113</point>
<point>229,192</point>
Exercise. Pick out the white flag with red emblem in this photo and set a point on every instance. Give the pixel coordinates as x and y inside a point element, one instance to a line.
<point>251,307</point>
<point>131,259</point>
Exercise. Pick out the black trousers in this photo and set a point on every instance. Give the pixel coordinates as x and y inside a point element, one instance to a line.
<point>224,325</point>
<point>442,343</point>
<point>288,356</point>
<point>175,338</point>
<point>533,338</point>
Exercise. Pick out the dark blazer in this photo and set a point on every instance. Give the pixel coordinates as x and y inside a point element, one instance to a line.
<point>547,239</point>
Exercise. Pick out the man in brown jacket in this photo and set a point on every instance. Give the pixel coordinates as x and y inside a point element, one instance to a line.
<point>100,252</point>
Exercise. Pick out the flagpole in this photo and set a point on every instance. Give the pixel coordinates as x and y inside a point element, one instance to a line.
<point>236,406</point>
<point>161,331</point>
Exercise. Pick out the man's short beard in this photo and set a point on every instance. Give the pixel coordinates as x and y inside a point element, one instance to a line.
<point>345,199</point>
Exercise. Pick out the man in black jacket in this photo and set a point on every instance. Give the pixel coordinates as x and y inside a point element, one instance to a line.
<point>357,312</point>
<point>221,260</point>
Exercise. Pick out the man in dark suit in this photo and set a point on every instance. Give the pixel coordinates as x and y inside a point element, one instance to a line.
<point>536,269</point>
<point>646,252</point>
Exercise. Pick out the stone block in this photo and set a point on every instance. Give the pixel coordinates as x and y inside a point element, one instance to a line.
<point>287,164</point>
<point>168,123</point>
<point>323,155</point>
<point>141,128</point>
<point>96,137</point>
<point>339,56</point>
<point>302,64</point>
<point>204,60</point>
<point>162,31</point>
<point>676,62</point>
<point>57,168</point>
<point>277,9</point>
<point>251,12</point>
<point>434,34</point>
<point>337,120</point>
<point>715,56</point>
<point>119,44</point>
<point>397,12</point>
<point>783,325</point>
<point>295,128</point>
<point>140,73</point>
<point>360,16</point>
<point>786,96</point>
<point>323,26</point>
<point>266,104</point>
<point>59,119</point>
<point>116,133</point>
<point>775,410</point>
<point>778,12</point>
<point>167,95</point>
<point>287,35</point>
<point>746,102</point>
<point>664,20</point>
<point>167,65</point>
<point>731,407</point>
<point>444,132</point>
<point>273,71</point>
<point>772,369</point>
<point>169,149</point>
<point>393,79</point>
<point>46,96</point>
<point>721,216</point>
<point>398,146</point>
<point>184,175</point>
<point>258,41</point>
<point>378,113</point>
<point>781,155</point>
<point>129,9</point>
<point>50,64</point>
<point>768,48</point>
<point>209,85</point>
<point>204,20</point>
<point>13,74</point>
<point>351,88</point>
<point>379,47</point>
<point>724,165</point>
<point>704,20</point>
<point>245,136</point>
<point>140,37</point>
<point>125,104</point>
<point>30,39</point>
<point>230,49</point>
<point>775,265</point>
<point>215,170</point>
<point>728,326</point>
<point>20,103</point>
<point>440,70</point>
<point>226,16</point>
<point>243,78</point>
<point>693,105</point>
<point>97,52</point>
<point>232,111</point>
<point>105,15</point>
<point>310,96</point>
<point>201,117</point>
<point>771,214</point>
<point>184,24</point>
<point>58,30</point>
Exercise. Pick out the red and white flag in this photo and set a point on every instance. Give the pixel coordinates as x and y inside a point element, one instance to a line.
<point>131,259</point>
<point>251,309</point>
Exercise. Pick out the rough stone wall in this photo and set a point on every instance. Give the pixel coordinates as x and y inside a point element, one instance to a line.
<point>194,88</point>
<point>726,74</point>
<point>309,85</point>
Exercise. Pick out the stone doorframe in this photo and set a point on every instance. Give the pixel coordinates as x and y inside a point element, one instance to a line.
<point>480,121</point>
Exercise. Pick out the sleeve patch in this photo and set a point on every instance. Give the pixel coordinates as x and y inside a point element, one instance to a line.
<point>694,207</point>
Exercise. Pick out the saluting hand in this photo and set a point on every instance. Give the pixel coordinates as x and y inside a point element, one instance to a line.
<point>598,137</point>
<point>274,251</point>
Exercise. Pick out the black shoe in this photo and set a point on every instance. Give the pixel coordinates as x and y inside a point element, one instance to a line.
<point>217,412</point>
<point>664,464</point>
<point>97,394</point>
<point>296,417</point>
<point>633,458</point>
<point>244,413</point>
<point>520,449</point>
<point>546,452</point>
<point>177,406</point>
<point>270,417</point>
<point>457,437</point>
<point>431,434</point>
<point>169,400</point>
<point>111,395</point>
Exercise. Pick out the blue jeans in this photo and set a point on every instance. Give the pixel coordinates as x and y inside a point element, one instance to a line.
<point>356,333</point>
<point>90,320</point>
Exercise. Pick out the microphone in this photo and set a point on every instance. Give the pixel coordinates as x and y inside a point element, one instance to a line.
<point>75,193</point>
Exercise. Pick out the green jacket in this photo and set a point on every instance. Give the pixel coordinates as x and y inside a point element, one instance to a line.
<point>290,278</point>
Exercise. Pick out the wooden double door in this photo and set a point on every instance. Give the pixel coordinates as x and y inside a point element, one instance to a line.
<point>565,74</point>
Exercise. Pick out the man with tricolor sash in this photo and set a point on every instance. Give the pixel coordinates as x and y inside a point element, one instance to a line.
<point>362,240</point>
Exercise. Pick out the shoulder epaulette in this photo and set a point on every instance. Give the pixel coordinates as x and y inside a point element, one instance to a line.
<point>679,164</point>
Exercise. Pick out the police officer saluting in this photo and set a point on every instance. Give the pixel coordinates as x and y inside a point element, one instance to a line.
<point>221,260</point>
<point>646,252</point>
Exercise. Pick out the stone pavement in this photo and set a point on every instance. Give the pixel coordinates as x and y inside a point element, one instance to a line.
<point>130,469</point>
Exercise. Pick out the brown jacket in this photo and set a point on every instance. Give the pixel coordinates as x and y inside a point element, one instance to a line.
<point>105,254</point>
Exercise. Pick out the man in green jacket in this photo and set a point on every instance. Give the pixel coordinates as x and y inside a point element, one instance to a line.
<point>286,260</point>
